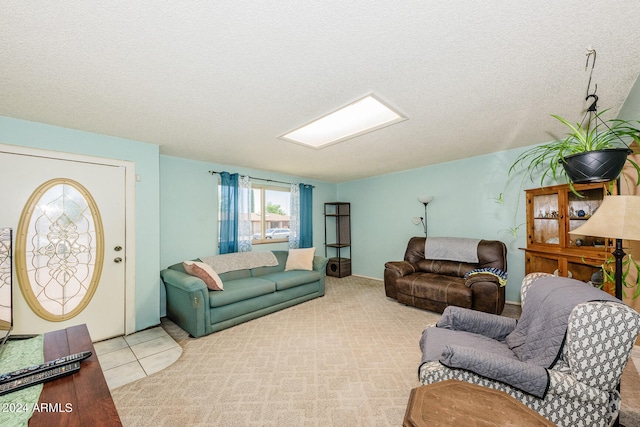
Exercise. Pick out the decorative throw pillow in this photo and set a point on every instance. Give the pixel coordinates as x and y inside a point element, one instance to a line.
<point>204,272</point>
<point>300,259</point>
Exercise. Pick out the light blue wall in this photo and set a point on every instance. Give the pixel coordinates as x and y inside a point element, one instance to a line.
<point>189,204</point>
<point>145,156</point>
<point>631,108</point>
<point>466,204</point>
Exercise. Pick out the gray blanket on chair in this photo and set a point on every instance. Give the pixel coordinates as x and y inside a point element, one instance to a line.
<point>460,249</point>
<point>535,343</point>
<point>540,332</point>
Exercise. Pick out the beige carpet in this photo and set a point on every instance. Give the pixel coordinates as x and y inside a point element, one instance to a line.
<point>347,359</point>
<point>630,391</point>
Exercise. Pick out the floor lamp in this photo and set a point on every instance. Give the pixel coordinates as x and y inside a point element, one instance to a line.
<point>425,200</point>
<point>618,217</point>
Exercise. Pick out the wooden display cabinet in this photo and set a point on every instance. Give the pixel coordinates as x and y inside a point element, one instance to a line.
<point>551,213</point>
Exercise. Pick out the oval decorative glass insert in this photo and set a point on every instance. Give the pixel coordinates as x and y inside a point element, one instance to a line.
<point>59,249</point>
<point>6,238</point>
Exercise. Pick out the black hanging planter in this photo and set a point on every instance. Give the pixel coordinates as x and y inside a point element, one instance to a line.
<point>595,166</point>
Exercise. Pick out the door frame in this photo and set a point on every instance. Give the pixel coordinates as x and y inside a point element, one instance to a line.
<point>130,217</point>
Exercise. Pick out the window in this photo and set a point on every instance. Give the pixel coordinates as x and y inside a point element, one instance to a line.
<point>59,249</point>
<point>270,214</point>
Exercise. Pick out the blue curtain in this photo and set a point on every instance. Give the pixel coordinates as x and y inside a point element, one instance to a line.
<point>229,213</point>
<point>306,215</point>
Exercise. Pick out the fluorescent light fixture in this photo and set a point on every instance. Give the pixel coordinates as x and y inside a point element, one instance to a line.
<point>360,117</point>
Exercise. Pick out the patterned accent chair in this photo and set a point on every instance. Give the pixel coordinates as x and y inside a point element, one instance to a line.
<point>582,382</point>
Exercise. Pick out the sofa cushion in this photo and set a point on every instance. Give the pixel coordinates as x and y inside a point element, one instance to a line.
<point>491,253</point>
<point>445,268</point>
<point>434,287</point>
<point>281,256</point>
<point>290,279</point>
<point>235,275</point>
<point>240,290</point>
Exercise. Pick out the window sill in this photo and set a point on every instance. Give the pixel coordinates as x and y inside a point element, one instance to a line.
<point>268,241</point>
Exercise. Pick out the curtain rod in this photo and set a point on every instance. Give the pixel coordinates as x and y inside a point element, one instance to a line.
<point>263,179</point>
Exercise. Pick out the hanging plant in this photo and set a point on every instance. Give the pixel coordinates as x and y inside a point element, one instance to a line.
<point>592,151</point>
<point>587,154</point>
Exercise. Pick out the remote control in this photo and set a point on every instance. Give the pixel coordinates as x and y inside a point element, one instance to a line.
<point>40,377</point>
<point>11,376</point>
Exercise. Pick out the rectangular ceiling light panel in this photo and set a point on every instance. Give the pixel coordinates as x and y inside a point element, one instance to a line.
<point>360,117</point>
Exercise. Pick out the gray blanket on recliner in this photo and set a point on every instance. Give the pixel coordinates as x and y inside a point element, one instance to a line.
<point>540,332</point>
<point>535,343</point>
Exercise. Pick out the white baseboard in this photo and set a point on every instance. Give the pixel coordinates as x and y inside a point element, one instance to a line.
<point>367,277</point>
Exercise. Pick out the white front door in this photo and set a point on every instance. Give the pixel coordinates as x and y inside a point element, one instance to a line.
<point>104,314</point>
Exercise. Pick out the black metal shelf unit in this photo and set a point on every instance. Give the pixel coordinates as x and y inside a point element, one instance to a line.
<point>337,223</point>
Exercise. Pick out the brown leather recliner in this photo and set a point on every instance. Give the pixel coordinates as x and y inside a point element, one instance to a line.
<point>435,284</point>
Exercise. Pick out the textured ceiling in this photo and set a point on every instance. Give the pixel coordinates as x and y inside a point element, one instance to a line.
<point>218,81</point>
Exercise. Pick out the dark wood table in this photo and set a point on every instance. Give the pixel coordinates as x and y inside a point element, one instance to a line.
<point>457,403</point>
<point>81,399</point>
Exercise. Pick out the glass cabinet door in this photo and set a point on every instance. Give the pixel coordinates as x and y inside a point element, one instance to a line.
<point>580,210</point>
<point>554,211</point>
<point>546,219</point>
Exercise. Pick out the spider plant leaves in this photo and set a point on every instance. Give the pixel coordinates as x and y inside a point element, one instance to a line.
<point>547,160</point>
<point>609,274</point>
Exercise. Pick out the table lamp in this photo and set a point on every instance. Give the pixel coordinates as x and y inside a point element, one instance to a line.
<point>618,217</point>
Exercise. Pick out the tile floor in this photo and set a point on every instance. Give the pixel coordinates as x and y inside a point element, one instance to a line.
<point>132,357</point>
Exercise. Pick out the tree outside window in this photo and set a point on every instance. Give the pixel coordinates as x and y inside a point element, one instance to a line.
<point>270,214</point>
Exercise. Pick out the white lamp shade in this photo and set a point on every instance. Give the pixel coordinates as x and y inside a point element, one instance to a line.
<point>425,199</point>
<point>618,217</point>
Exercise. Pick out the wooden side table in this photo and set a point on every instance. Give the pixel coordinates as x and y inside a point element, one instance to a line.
<point>81,399</point>
<point>458,403</point>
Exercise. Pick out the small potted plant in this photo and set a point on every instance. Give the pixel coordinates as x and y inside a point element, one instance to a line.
<point>591,152</point>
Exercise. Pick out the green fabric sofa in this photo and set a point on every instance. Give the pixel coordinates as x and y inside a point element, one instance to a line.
<point>247,294</point>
